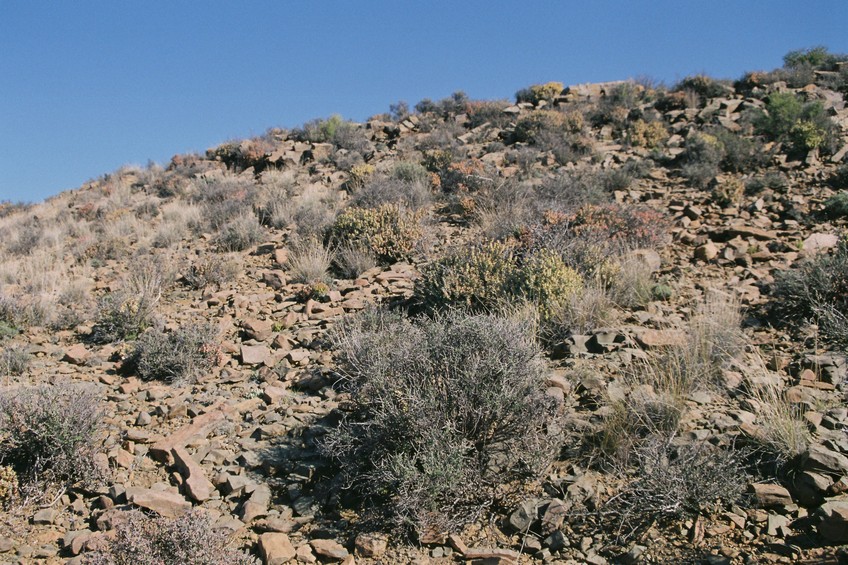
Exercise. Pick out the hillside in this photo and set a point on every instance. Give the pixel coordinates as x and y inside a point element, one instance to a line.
<point>603,323</point>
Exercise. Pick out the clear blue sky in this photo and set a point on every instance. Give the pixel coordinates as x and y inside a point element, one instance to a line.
<point>89,86</point>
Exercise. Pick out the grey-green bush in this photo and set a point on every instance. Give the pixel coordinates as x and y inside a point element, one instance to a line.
<point>50,435</point>
<point>446,412</point>
<point>181,355</point>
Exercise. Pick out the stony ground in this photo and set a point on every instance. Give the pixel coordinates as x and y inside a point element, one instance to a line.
<point>240,442</point>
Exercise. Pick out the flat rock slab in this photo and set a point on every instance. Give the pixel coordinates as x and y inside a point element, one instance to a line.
<point>770,495</point>
<point>165,503</point>
<point>198,486</point>
<point>254,354</point>
<point>199,427</point>
<point>276,548</point>
<point>329,549</point>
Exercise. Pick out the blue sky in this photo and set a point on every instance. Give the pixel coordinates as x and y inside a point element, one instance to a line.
<point>89,86</point>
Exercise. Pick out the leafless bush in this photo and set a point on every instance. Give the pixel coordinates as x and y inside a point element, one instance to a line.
<point>669,483</point>
<point>212,270</point>
<point>446,412</point>
<point>182,355</point>
<point>14,360</point>
<point>50,436</point>
<point>187,540</point>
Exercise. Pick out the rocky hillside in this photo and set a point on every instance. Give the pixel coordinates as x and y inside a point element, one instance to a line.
<point>604,323</point>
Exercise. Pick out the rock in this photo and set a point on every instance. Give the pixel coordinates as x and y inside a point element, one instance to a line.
<point>274,394</point>
<point>649,337</point>
<point>371,544</point>
<point>199,427</point>
<point>498,556</point>
<point>257,505</point>
<point>76,355</point>
<point>275,279</point>
<point>648,257</point>
<point>165,503</point>
<point>198,487</point>
<point>833,524</point>
<point>706,252</point>
<point>820,459</point>
<point>6,544</point>
<point>769,495</point>
<point>819,242</point>
<point>276,548</point>
<point>254,354</point>
<point>554,515</point>
<point>329,549</point>
<point>524,516</point>
<point>45,516</point>
<point>260,330</point>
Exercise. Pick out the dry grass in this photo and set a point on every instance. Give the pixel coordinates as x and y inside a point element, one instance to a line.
<point>309,261</point>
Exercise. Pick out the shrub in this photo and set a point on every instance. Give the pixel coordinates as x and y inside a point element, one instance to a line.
<point>210,270</point>
<point>530,128</point>
<point>701,159</point>
<point>704,86</point>
<point>14,360</point>
<point>646,134</point>
<point>446,413</point>
<point>579,313</point>
<point>477,279</point>
<point>184,354</point>
<point>410,172</point>
<point>490,276</point>
<point>771,180</point>
<point>669,483</point>
<point>390,232</point>
<point>839,179</point>
<point>239,233</point>
<point>309,261</point>
<point>546,280</point>
<point>803,125</point>
<point>817,290</point>
<point>739,154</point>
<point>837,205</point>
<point>189,539</point>
<point>50,436</point>
<point>380,191</point>
<point>8,486</point>
<point>122,315</point>
<point>818,58</point>
<point>538,92</point>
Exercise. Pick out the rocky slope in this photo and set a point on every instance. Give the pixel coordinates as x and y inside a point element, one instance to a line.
<point>216,236</point>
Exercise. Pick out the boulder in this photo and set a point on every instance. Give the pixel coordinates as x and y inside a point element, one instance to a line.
<point>276,548</point>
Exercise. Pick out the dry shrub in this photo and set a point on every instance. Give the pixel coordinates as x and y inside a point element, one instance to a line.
<point>187,540</point>
<point>240,233</point>
<point>50,435</point>
<point>390,232</point>
<point>581,312</point>
<point>668,483</point>
<point>183,355</point>
<point>445,413</point>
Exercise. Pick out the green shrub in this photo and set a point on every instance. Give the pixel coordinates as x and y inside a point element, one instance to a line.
<point>803,125</point>
<point>491,276</point>
<point>818,58</point>
<point>50,436</point>
<point>187,540</point>
<point>772,180</point>
<point>546,280</point>
<point>530,128</point>
<point>446,414</point>
<point>646,134</point>
<point>839,179</point>
<point>837,205</point>
<point>184,354</point>
<point>704,86</point>
<point>390,232</point>
<point>539,92</point>
<point>478,278</point>
<point>410,172</point>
